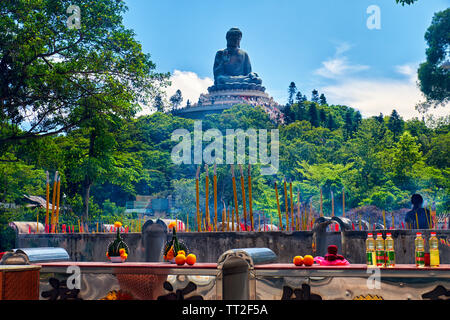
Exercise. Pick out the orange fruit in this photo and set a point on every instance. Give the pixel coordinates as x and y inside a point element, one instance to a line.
<point>191,259</point>
<point>181,252</point>
<point>308,260</point>
<point>180,259</point>
<point>298,260</point>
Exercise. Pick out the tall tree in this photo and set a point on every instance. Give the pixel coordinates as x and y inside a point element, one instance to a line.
<point>315,96</point>
<point>322,99</point>
<point>395,124</point>
<point>312,114</point>
<point>176,99</point>
<point>434,74</point>
<point>158,103</point>
<point>291,91</point>
<point>48,71</point>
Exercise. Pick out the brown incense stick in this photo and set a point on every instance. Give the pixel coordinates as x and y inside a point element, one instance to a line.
<point>278,207</point>
<point>250,201</point>
<point>244,201</point>
<point>236,208</point>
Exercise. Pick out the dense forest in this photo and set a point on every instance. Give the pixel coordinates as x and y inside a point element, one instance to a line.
<point>378,161</point>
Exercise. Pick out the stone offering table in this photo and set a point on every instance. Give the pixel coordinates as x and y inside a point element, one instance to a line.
<point>205,281</point>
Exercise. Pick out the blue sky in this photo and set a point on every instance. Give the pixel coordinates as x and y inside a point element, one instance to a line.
<point>321,44</point>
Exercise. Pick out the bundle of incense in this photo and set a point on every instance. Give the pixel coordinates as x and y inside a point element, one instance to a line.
<point>52,220</point>
<point>207,198</point>
<point>286,204</point>
<point>215,197</point>
<point>236,208</point>
<point>292,206</point>
<point>343,202</point>
<point>197,198</point>
<point>47,194</point>
<point>321,203</point>
<point>244,201</point>
<point>250,201</point>
<point>278,207</point>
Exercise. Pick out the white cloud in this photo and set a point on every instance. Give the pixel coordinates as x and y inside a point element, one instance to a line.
<point>190,84</point>
<point>339,65</point>
<point>372,96</point>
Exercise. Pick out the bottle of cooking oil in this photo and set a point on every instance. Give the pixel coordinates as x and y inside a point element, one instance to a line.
<point>434,250</point>
<point>370,250</point>
<point>390,252</point>
<point>379,245</point>
<point>420,250</point>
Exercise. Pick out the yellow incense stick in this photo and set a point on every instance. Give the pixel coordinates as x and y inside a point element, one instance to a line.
<point>207,198</point>
<point>228,220</point>
<point>244,201</point>
<point>292,206</point>
<point>286,204</point>
<point>236,208</point>
<point>47,194</point>
<point>250,201</point>
<point>54,200</point>
<point>278,207</point>
<point>197,198</point>
<point>417,220</point>
<point>384,219</point>
<point>37,221</point>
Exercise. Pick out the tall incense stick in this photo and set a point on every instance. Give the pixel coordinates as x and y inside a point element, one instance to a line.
<point>292,206</point>
<point>55,181</point>
<point>286,204</point>
<point>47,195</point>
<point>197,198</point>
<point>278,207</point>
<point>244,201</point>
<point>228,220</point>
<point>250,201</point>
<point>384,219</point>
<point>207,198</point>
<point>235,197</point>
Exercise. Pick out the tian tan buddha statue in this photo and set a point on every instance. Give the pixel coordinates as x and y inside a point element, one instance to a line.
<point>232,66</point>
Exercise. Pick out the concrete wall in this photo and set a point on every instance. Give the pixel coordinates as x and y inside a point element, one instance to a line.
<point>209,246</point>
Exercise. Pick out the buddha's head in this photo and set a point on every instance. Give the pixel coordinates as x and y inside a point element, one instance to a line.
<point>234,36</point>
